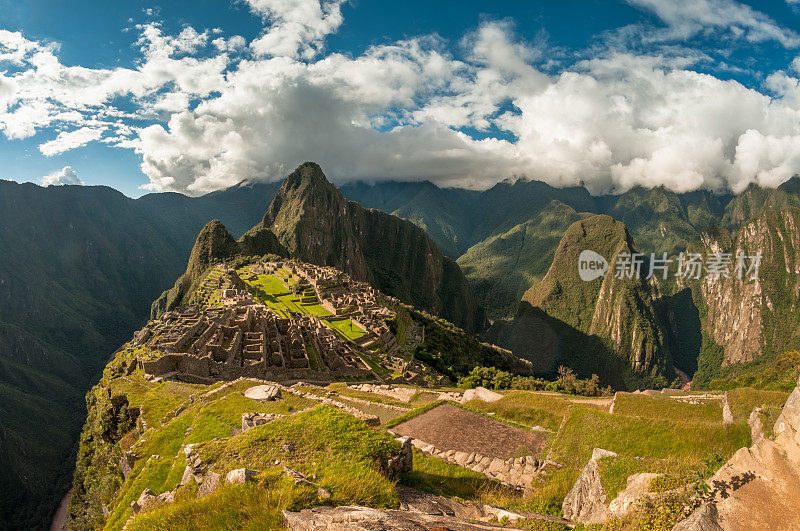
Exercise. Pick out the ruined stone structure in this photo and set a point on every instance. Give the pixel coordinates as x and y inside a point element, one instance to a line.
<point>243,338</point>
<point>226,333</point>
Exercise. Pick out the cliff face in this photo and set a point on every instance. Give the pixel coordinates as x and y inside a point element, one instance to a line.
<point>585,316</point>
<point>310,220</point>
<point>750,316</point>
<point>317,224</point>
<point>214,244</point>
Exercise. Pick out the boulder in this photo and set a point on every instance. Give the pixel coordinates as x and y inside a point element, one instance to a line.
<point>210,484</point>
<point>727,414</point>
<point>355,518</point>
<point>703,519</point>
<point>756,426</point>
<point>126,463</point>
<point>480,393</point>
<point>240,476</point>
<point>638,487</point>
<point>251,420</point>
<point>587,502</point>
<point>145,497</point>
<point>263,393</point>
<point>403,462</point>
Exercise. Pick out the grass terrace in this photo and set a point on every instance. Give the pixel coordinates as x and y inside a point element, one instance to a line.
<point>272,291</point>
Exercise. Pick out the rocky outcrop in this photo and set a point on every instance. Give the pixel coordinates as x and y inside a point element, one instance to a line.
<point>148,497</point>
<point>703,519</point>
<point>240,476</point>
<point>403,461</point>
<point>755,314</point>
<point>587,502</point>
<point>482,394</point>
<point>637,487</point>
<point>251,420</point>
<point>317,224</point>
<point>354,518</point>
<point>759,486</point>
<point>612,315</point>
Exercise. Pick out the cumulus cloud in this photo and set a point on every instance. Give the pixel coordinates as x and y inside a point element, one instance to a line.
<point>67,140</point>
<point>688,18</point>
<point>297,27</point>
<point>65,175</point>
<point>210,110</point>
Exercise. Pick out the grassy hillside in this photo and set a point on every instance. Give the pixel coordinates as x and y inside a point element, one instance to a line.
<point>155,421</point>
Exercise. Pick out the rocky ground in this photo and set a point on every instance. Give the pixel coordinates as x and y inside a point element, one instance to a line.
<point>301,456</point>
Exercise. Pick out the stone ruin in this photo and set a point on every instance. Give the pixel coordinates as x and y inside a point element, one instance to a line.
<point>203,345</point>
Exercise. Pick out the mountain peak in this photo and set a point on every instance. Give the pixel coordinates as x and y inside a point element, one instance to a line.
<point>309,174</point>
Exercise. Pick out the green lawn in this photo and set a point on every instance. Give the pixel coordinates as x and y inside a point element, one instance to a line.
<point>587,428</point>
<point>526,408</point>
<point>346,328</point>
<point>666,407</point>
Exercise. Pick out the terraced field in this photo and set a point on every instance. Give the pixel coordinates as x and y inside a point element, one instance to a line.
<point>274,291</point>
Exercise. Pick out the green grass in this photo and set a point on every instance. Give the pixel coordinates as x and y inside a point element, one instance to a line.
<point>340,450</point>
<point>346,328</point>
<point>219,418</point>
<point>314,360</point>
<point>664,407</point>
<point>157,399</point>
<point>526,408</point>
<point>150,473</point>
<point>248,507</point>
<point>586,429</point>
<point>743,400</point>
<point>443,478</point>
<point>383,372</point>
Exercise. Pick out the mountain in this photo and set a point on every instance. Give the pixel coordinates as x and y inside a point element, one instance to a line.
<point>502,267</point>
<point>752,317</point>
<point>78,268</point>
<point>81,266</point>
<point>310,220</point>
<point>590,326</point>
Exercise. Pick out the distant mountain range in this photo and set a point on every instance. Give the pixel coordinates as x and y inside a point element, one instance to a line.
<point>82,266</point>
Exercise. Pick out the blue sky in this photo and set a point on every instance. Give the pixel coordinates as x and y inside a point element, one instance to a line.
<point>196,96</point>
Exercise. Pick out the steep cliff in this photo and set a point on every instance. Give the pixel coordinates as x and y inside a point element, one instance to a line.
<point>317,224</point>
<point>586,324</point>
<point>757,314</point>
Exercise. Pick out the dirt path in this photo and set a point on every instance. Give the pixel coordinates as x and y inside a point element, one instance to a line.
<point>60,518</point>
<point>452,428</point>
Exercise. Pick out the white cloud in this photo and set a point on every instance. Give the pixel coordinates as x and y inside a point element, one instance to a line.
<point>210,113</point>
<point>66,175</point>
<point>70,140</point>
<point>297,27</point>
<point>688,18</point>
